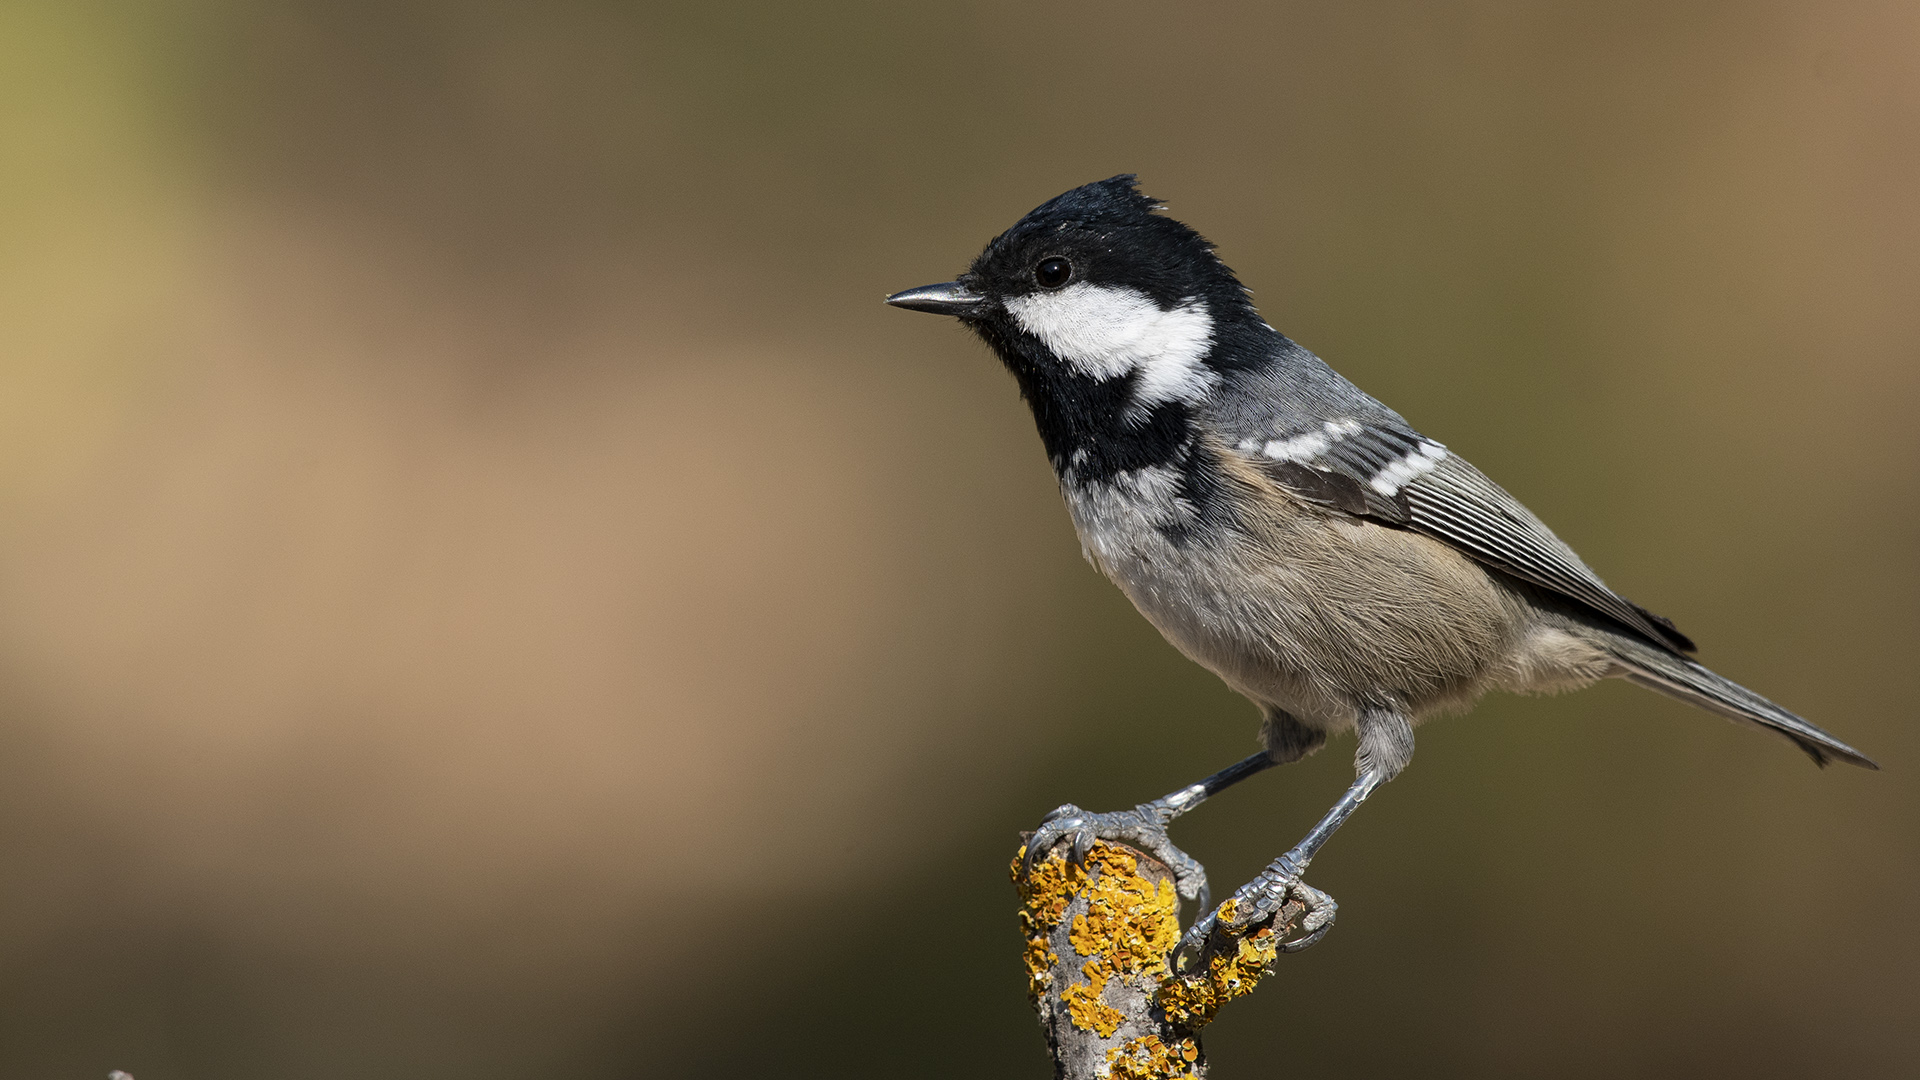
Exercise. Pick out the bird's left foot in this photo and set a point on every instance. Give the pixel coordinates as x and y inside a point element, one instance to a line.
<point>1144,827</point>
<point>1253,904</point>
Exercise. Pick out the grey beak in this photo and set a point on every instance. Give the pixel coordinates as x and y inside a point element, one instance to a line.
<point>946,298</point>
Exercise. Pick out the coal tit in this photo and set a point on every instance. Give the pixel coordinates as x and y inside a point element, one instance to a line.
<point>1283,529</point>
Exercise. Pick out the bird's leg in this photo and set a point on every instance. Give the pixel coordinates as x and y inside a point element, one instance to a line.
<point>1144,826</point>
<point>1386,744</point>
<point>1260,898</point>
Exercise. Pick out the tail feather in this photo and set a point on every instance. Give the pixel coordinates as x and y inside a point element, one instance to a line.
<point>1678,677</point>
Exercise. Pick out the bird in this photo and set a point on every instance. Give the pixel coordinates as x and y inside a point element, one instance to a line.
<point>1284,530</point>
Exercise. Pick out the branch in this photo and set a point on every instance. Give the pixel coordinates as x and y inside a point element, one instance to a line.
<point>1099,973</point>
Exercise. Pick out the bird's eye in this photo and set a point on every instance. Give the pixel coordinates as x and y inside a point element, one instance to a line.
<point>1053,272</point>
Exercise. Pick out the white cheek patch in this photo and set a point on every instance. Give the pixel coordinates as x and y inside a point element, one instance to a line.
<point>1104,332</point>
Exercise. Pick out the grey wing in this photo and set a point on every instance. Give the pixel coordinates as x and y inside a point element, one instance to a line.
<point>1381,469</point>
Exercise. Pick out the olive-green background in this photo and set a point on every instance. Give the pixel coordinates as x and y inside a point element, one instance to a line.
<point>487,591</point>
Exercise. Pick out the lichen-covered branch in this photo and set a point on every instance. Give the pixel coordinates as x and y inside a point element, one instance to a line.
<point>1098,945</point>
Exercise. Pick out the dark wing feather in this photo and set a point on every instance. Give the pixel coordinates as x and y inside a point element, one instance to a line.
<point>1391,474</point>
<point>1339,491</point>
<point>1458,504</point>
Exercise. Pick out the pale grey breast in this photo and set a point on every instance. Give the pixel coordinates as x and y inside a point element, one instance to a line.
<point>1301,631</point>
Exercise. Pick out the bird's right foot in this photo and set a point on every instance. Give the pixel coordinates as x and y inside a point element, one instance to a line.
<point>1254,903</point>
<point>1143,827</point>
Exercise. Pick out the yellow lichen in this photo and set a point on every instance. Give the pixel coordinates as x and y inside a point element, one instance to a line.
<point>1130,920</point>
<point>1044,895</point>
<point>1130,925</point>
<point>1193,999</point>
<point>1150,1058</point>
<point>1084,1006</point>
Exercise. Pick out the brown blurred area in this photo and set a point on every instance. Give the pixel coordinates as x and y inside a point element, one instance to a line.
<point>486,590</point>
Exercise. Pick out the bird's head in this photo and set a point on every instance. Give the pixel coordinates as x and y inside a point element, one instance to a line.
<point>1093,299</point>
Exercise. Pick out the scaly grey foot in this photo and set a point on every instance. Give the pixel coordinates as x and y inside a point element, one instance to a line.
<point>1258,900</point>
<point>1254,903</point>
<point>1144,827</point>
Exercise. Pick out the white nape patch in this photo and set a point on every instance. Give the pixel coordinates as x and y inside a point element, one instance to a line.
<point>1104,332</point>
<point>1398,474</point>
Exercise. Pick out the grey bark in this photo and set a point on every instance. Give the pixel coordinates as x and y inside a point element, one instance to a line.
<point>1102,983</point>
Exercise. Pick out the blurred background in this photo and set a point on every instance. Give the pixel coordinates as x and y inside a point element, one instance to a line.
<point>487,591</point>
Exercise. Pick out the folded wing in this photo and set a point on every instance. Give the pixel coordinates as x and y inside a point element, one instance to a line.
<point>1387,472</point>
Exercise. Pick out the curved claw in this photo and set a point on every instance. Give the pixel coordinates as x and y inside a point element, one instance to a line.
<point>1059,823</point>
<point>1082,846</point>
<point>1193,942</point>
<point>1144,827</point>
<point>1259,899</point>
<point>1297,944</point>
<point>1321,911</point>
